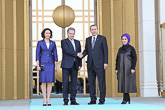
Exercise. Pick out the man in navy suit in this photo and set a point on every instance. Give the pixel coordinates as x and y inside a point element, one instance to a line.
<point>70,65</point>
<point>97,50</point>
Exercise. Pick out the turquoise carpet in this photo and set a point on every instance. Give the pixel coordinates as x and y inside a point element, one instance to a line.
<point>111,104</point>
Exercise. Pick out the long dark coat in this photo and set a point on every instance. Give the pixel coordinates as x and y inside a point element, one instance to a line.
<point>124,62</point>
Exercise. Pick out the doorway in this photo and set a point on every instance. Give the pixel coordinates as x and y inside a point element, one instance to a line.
<point>42,11</point>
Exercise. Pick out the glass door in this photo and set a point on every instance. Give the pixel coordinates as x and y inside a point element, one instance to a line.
<point>42,11</point>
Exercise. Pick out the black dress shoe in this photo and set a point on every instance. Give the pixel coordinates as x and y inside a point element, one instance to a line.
<point>49,104</point>
<point>92,102</point>
<point>125,102</point>
<point>65,103</point>
<point>101,102</point>
<point>44,104</point>
<point>74,103</point>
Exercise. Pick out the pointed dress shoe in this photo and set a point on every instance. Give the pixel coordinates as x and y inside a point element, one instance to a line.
<point>92,102</point>
<point>74,103</point>
<point>101,102</point>
<point>65,103</point>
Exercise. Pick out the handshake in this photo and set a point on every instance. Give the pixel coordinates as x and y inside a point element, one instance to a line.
<point>80,55</point>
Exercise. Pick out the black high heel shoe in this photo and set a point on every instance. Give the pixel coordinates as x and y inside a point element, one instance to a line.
<point>44,104</point>
<point>49,104</point>
<point>125,102</point>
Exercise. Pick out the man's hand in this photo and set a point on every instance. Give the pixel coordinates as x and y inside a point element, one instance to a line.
<point>116,72</point>
<point>132,71</point>
<point>105,66</point>
<point>80,55</point>
<point>79,68</point>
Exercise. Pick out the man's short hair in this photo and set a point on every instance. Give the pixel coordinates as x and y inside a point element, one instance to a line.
<point>93,25</point>
<point>70,29</point>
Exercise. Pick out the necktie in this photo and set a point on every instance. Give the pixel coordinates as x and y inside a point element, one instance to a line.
<point>73,45</point>
<point>72,41</point>
<point>93,44</point>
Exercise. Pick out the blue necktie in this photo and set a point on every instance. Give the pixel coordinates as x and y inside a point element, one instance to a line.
<point>93,44</point>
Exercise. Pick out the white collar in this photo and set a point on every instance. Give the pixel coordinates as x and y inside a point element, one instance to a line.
<point>95,37</point>
<point>71,39</point>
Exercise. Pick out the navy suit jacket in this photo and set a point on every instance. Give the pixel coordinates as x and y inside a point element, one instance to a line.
<point>69,54</point>
<point>45,55</point>
<point>99,55</point>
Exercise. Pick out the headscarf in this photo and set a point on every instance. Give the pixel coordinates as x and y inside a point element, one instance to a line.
<point>127,36</point>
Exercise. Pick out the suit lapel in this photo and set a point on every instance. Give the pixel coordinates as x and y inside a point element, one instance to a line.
<point>76,45</point>
<point>96,42</point>
<point>50,44</point>
<point>44,43</point>
<point>90,42</point>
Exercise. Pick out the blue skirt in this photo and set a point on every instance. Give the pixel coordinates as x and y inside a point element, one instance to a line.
<point>48,74</point>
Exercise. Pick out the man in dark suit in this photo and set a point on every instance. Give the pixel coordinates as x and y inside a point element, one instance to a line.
<point>97,50</point>
<point>70,65</point>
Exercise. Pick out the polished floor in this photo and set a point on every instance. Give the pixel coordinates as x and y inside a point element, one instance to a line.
<point>137,103</point>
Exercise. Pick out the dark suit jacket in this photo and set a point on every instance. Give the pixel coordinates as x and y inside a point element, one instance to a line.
<point>68,54</point>
<point>99,54</point>
<point>45,55</point>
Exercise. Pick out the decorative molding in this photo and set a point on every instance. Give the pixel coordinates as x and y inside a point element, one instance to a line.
<point>3,51</point>
<point>15,47</point>
<point>26,47</point>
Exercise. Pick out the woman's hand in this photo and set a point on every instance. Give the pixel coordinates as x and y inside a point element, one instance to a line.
<point>55,68</point>
<point>105,66</point>
<point>116,72</point>
<point>132,71</point>
<point>38,68</point>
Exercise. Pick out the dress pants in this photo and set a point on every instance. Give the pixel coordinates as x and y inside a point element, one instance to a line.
<point>100,72</point>
<point>65,75</point>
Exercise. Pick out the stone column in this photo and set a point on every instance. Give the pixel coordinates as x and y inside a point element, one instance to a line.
<point>147,48</point>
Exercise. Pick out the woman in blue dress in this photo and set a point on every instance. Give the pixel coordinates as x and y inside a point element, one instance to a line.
<point>46,56</point>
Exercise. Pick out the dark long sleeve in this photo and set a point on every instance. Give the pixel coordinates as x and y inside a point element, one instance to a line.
<point>117,60</point>
<point>85,52</point>
<point>38,51</point>
<point>134,58</point>
<point>67,50</point>
<point>80,63</point>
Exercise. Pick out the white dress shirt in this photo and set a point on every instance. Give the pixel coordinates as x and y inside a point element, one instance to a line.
<point>47,44</point>
<point>73,43</point>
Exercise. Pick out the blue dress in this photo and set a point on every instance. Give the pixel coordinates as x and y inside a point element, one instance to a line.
<point>47,57</point>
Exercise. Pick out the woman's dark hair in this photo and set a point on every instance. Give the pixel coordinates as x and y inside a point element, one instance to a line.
<point>43,32</point>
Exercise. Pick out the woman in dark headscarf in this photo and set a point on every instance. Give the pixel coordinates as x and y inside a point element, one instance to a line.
<point>125,68</point>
